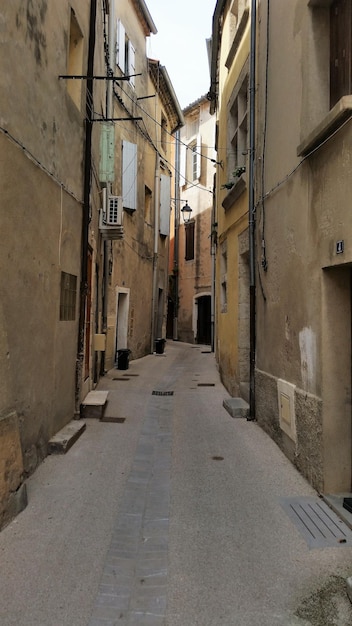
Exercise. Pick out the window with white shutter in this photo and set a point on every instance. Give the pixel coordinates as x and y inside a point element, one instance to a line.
<point>125,53</point>
<point>129,175</point>
<point>131,70</point>
<point>183,152</point>
<point>165,204</point>
<point>120,46</point>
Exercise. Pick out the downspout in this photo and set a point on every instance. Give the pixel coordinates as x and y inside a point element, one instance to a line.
<point>252,251</point>
<point>109,114</point>
<point>86,205</point>
<point>176,233</point>
<point>213,260</point>
<point>156,245</point>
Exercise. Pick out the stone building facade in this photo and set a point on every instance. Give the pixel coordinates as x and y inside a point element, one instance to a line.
<point>193,238</point>
<point>73,242</point>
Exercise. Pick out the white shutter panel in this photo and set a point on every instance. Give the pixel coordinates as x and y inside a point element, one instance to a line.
<point>183,150</point>
<point>165,204</point>
<point>131,63</point>
<point>129,175</point>
<point>199,156</point>
<point>120,51</point>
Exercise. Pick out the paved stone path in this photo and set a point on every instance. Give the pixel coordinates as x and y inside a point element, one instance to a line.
<point>133,587</point>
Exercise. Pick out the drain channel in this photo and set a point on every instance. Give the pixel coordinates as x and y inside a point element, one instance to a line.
<point>162,393</point>
<point>318,524</point>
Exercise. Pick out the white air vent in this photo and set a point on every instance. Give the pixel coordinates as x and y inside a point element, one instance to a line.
<point>114,211</point>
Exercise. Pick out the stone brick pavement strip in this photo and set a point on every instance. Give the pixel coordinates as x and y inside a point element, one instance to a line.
<point>133,588</point>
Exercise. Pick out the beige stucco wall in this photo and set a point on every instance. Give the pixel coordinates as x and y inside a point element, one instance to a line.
<point>195,274</point>
<point>41,180</point>
<point>232,323</point>
<point>303,299</point>
<point>133,258</point>
<point>39,351</point>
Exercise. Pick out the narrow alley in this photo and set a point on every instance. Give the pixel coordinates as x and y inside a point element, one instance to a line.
<point>169,512</point>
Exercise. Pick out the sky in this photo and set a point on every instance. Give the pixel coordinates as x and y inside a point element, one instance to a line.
<point>183,26</point>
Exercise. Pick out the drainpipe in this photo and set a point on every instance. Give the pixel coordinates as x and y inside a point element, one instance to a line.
<point>109,115</point>
<point>176,233</point>
<point>86,206</point>
<point>251,224</point>
<point>213,258</point>
<point>156,246</point>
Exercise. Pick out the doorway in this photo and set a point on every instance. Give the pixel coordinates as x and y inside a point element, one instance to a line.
<point>336,379</point>
<point>122,310</point>
<point>204,320</point>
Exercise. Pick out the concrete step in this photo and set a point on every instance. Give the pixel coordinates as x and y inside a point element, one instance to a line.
<point>66,437</point>
<point>236,407</point>
<point>93,405</point>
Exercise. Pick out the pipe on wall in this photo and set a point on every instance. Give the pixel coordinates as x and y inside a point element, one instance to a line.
<point>251,224</point>
<point>86,205</point>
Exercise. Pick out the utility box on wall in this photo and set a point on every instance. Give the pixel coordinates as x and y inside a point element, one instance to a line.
<point>100,342</point>
<point>286,400</point>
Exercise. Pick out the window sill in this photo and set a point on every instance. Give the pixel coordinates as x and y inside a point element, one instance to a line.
<point>331,122</point>
<point>235,192</point>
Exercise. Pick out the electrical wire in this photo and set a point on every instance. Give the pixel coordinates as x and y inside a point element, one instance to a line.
<point>309,154</point>
<point>38,163</point>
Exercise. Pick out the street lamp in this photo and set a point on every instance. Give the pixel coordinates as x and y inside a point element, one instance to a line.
<point>186,212</point>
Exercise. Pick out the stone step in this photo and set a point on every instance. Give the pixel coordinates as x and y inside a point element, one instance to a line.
<point>93,405</point>
<point>66,437</point>
<point>236,407</point>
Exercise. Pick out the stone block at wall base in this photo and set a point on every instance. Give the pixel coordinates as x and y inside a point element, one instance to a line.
<point>15,503</point>
<point>13,496</point>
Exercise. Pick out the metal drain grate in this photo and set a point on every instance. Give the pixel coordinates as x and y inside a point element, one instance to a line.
<point>162,393</point>
<point>206,384</point>
<point>319,525</point>
<point>122,380</point>
<point>114,420</point>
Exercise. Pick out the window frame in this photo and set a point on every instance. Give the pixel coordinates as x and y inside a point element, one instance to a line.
<point>68,297</point>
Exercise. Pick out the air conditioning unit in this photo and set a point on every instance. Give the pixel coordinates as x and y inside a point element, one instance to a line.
<point>114,210</point>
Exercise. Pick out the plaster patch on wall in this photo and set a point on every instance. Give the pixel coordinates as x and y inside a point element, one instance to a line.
<point>308,349</point>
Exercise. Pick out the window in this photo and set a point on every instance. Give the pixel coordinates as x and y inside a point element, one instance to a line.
<point>192,124</point>
<point>75,61</point>
<point>340,50</point>
<point>68,291</point>
<point>238,129</point>
<point>223,277</point>
<point>331,72</point>
<point>165,204</point>
<point>189,237</point>
<point>193,160</point>
<point>125,53</point>
<point>129,175</point>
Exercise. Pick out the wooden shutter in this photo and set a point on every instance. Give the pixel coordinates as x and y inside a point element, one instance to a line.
<point>120,49</point>
<point>189,235</point>
<point>165,204</point>
<point>131,63</point>
<point>198,156</point>
<point>340,50</point>
<point>182,165</point>
<point>107,153</point>
<point>129,175</point>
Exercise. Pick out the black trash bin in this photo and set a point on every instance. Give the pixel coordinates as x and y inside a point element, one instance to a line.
<point>123,359</point>
<point>159,346</point>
